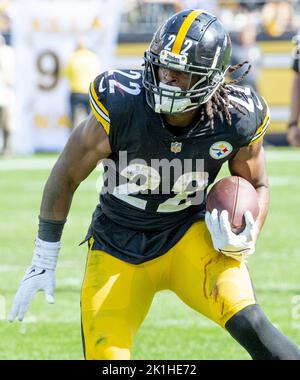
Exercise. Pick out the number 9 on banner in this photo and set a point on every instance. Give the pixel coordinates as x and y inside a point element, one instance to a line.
<point>48,68</point>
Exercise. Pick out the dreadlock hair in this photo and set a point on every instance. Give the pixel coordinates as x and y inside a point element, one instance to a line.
<point>220,101</point>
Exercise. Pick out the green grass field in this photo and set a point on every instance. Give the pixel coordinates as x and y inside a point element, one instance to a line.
<point>171,330</point>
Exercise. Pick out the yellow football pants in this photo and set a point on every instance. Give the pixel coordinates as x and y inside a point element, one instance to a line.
<point>116,295</point>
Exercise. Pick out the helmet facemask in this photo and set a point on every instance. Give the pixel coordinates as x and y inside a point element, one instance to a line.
<point>168,99</point>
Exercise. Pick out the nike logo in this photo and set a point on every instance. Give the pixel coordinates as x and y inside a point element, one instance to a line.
<point>101,88</point>
<point>34,275</point>
<point>258,103</point>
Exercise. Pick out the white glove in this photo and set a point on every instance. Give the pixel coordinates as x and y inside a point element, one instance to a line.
<point>240,246</point>
<point>39,276</point>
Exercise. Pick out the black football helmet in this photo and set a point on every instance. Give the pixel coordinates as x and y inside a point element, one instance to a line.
<point>194,42</point>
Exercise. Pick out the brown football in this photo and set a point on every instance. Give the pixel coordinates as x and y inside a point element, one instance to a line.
<point>236,195</point>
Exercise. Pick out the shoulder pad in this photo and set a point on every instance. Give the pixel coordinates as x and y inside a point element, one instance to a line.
<point>252,125</point>
<point>262,118</point>
<point>113,92</point>
<point>114,98</point>
<point>98,101</point>
<point>296,53</point>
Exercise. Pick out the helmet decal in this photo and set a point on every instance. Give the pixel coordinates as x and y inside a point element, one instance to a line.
<point>173,60</point>
<point>184,29</point>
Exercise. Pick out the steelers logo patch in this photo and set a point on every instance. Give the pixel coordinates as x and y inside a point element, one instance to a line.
<point>220,150</point>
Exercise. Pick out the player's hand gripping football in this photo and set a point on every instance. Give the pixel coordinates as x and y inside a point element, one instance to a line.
<point>240,246</point>
<point>39,276</point>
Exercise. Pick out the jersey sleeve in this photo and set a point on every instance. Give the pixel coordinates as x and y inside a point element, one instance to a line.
<point>252,120</point>
<point>262,119</point>
<point>296,54</point>
<point>115,101</point>
<point>295,66</point>
<point>99,102</point>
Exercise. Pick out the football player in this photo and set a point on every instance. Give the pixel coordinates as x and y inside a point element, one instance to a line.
<point>293,132</point>
<point>143,238</point>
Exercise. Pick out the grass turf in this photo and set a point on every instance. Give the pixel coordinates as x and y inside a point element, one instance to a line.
<point>171,330</point>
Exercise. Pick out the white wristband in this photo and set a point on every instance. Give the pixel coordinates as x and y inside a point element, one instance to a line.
<point>45,254</point>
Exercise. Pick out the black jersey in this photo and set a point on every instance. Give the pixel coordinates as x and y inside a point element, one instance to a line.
<point>155,181</point>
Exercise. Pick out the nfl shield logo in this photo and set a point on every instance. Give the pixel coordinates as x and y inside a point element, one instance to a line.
<point>176,147</point>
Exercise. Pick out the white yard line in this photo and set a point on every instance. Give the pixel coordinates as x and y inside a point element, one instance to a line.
<point>34,319</point>
<point>26,164</point>
<point>284,180</point>
<point>40,163</point>
<point>10,268</point>
<point>200,322</point>
<point>282,156</point>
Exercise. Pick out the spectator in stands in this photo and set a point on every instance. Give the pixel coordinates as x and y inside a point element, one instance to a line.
<point>293,132</point>
<point>251,5</point>
<point>82,66</point>
<point>245,48</point>
<point>209,6</point>
<point>7,61</point>
<point>277,17</point>
<point>5,26</point>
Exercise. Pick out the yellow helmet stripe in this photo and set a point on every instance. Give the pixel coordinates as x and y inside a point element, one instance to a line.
<point>184,29</point>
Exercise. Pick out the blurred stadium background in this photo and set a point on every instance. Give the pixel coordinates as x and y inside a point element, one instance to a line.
<point>38,40</point>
